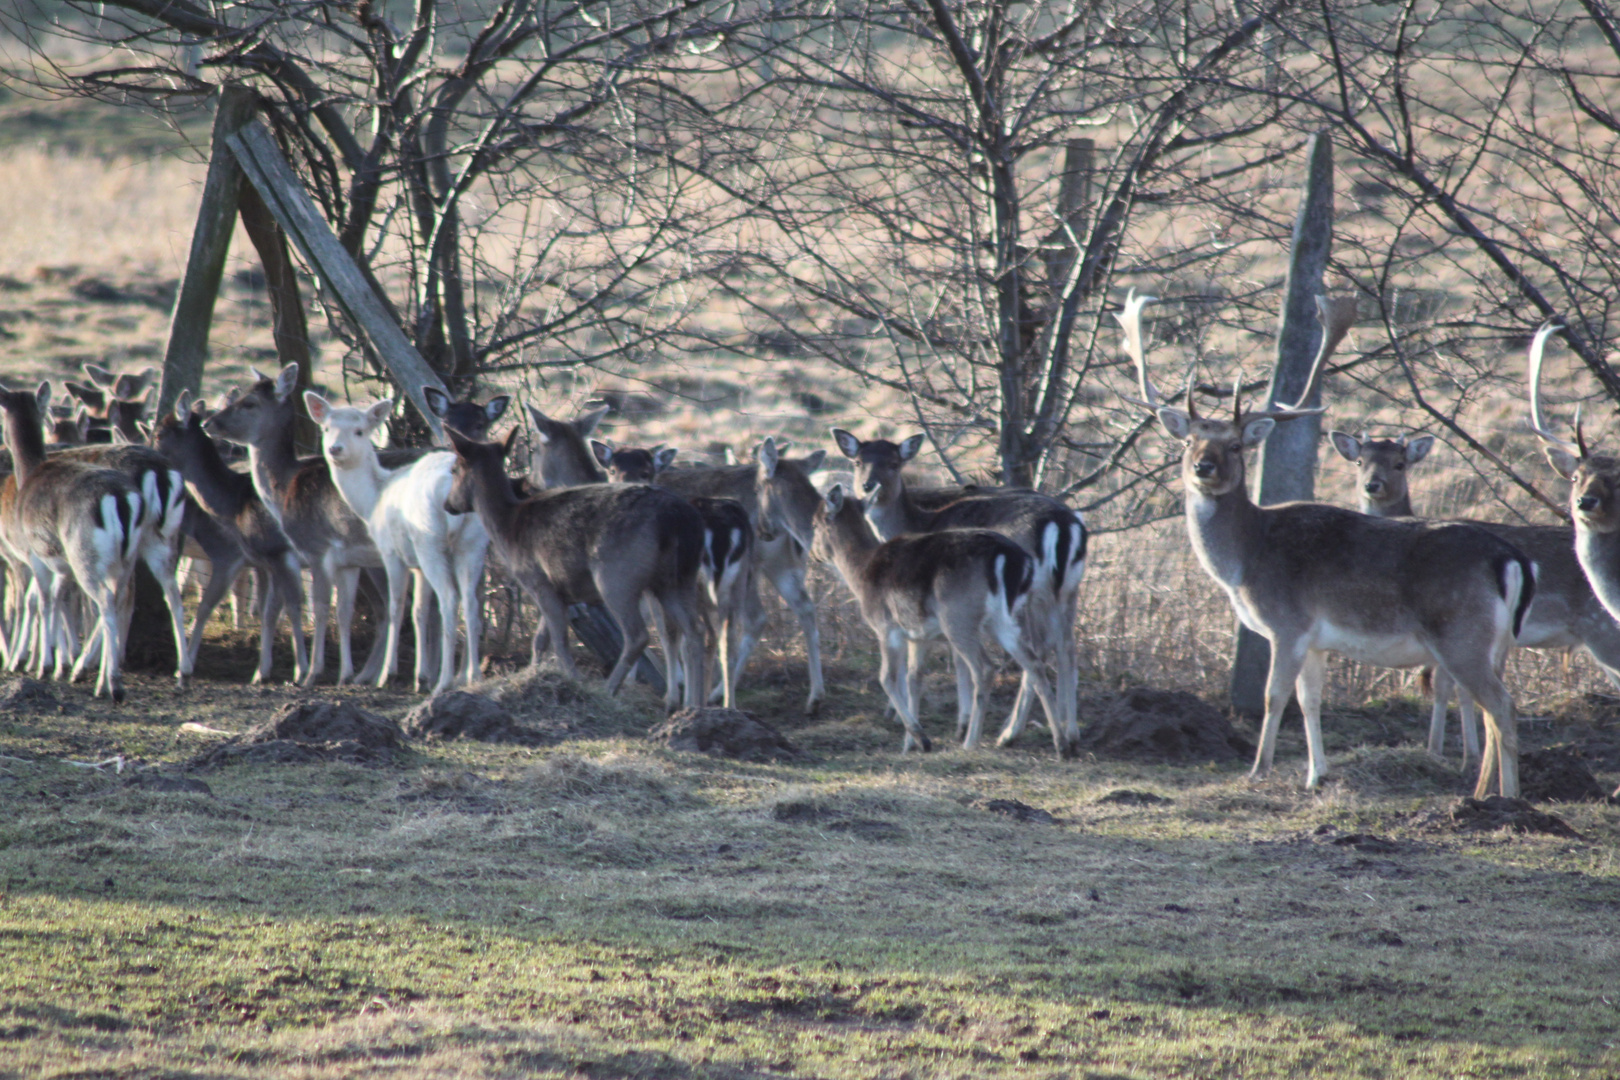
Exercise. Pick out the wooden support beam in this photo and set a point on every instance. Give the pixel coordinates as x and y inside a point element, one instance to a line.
<point>261,160</point>
<point>210,242</point>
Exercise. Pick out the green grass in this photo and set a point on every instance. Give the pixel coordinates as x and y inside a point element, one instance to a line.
<point>610,908</point>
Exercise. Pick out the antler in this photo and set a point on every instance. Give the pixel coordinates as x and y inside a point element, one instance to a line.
<point>1130,320</point>
<point>1338,315</point>
<point>1538,422</point>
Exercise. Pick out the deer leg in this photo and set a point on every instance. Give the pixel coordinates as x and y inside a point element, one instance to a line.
<point>160,555</point>
<point>376,580</point>
<point>966,701</point>
<point>674,668</point>
<point>1010,634</point>
<point>398,577</point>
<point>680,610</point>
<point>1285,667</point>
<point>422,607</point>
<point>347,582</point>
<point>626,611</point>
<point>893,676</point>
<point>790,583</point>
<point>749,625</point>
<point>288,584</point>
<point>222,571</point>
<point>470,582</point>
<point>1309,685</point>
<point>554,626</point>
<point>320,610</point>
<point>444,589</point>
<point>269,612</point>
<point>1441,684</point>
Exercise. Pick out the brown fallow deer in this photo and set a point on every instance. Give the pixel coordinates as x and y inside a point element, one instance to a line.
<point>1594,488</point>
<point>952,583</point>
<point>728,549</point>
<point>117,401</point>
<point>231,504</point>
<point>606,544</point>
<point>78,525</point>
<point>775,491</point>
<point>1050,531</point>
<point>329,537</point>
<point>1314,579</point>
<point>1566,612</point>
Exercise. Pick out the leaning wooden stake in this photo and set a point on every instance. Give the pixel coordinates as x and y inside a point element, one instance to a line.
<point>273,178</point>
<point>1286,470</point>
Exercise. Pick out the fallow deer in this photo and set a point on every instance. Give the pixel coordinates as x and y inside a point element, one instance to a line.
<point>230,504</point>
<point>606,544</point>
<point>775,491</point>
<point>1594,488</point>
<point>79,525</point>
<point>117,400</point>
<point>952,584</point>
<point>404,512</point>
<point>1049,530</point>
<point>1314,579</point>
<point>329,537</point>
<point>1566,612</point>
<point>728,548</point>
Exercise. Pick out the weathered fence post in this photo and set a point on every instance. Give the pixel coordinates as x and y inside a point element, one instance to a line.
<point>210,242</point>
<point>1286,469</point>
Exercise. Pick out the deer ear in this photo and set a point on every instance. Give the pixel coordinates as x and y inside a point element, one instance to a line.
<point>1419,448</point>
<point>1176,422</point>
<point>768,457</point>
<point>318,406</point>
<point>1561,460</point>
<point>1348,446</point>
<point>848,444</point>
<point>100,375</point>
<point>835,499</point>
<point>182,406</point>
<point>909,448</point>
<point>587,423</point>
<point>511,441</point>
<point>542,423</point>
<point>458,442</point>
<point>378,414</point>
<point>664,458</point>
<point>437,400</point>
<point>43,396</point>
<point>1256,430</point>
<point>602,452</point>
<point>286,382</point>
<point>495,407</point>
<point>814,460</point>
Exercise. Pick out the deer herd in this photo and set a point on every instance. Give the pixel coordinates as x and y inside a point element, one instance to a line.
<point>686,548</point>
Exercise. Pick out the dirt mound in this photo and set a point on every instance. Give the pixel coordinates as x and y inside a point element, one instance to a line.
<point>1127,797</point>
<point>553,708</point>
<point>728,733</point>
<point>1143,724</point>
<point>1496,812</point>
<point>1020,811</point>
<point>1558,774</point>
<point>312,731</point>
<point>27,695</point>
<point>463,715</point>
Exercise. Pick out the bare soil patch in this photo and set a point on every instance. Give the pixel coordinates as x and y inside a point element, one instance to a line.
<point>1517,815</point>
<point>728,733</point>
<point>27,695</point>
<point>1558,774</point>
<point>1020,811</point>
<point>1145,724</point>
<point>312,731</point>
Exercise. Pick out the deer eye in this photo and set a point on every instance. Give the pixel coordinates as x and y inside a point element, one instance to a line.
<point>1400,466</point>
<point>1237,448</point>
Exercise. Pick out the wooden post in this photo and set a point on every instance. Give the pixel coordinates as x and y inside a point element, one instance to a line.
<point>290,327</point>
<point>270,175</point>
<point>1286,468</point>
<point>210,242</point>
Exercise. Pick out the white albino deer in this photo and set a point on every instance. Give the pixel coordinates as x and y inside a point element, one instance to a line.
<point>1314,579</point>
<point>404,511</point>
<point>949,584</point>
<point>1566,613</point>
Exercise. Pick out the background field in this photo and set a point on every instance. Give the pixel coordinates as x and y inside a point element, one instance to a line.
<point>604,907</point>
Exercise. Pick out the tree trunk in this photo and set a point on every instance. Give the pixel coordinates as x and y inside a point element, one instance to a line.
<point>1286,469</point>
